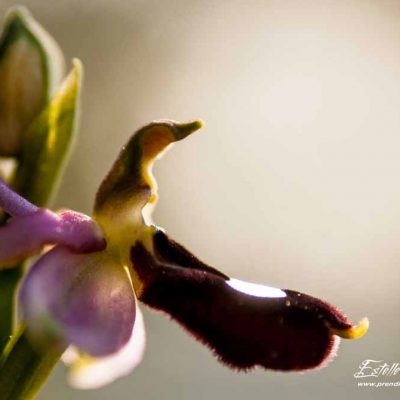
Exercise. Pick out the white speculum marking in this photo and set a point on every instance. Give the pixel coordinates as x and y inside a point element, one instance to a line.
<point>254,289</point>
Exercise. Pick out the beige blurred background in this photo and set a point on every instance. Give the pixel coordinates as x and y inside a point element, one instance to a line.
<point>294,181</point>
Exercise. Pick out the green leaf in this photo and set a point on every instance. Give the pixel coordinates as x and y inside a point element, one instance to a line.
<point>31,68</point>
<point>48,142</point>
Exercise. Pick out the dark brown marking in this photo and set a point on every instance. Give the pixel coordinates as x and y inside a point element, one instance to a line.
<point>289,333</point>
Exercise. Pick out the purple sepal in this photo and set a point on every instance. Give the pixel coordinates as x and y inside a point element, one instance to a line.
<point>23,236</point>
<point>86,300</point>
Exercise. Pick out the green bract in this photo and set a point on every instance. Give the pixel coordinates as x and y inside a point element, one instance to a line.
<point>31,68</point>
<point>48,141</point>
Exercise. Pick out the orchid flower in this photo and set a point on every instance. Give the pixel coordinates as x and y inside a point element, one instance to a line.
<point>82,293</point>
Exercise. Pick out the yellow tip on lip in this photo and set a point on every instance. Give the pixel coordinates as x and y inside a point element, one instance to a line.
<point>355,332</point>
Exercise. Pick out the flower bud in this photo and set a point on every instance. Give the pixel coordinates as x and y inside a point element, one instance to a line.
<point>31,67</point>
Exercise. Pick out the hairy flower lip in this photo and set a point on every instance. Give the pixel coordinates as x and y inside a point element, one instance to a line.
<point>167,249</point>
<point>292,331</point>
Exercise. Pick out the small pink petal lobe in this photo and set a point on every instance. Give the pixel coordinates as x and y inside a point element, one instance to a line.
<point>26,235</point>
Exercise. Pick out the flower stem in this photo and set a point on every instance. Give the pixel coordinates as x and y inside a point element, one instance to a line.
<point>23,370</point>
<point>9,280</point>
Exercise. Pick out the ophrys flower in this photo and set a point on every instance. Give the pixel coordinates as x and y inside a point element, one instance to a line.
<point>82,293</point>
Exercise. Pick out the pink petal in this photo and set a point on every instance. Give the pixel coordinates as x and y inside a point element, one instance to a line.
<point>87,372</point>
<point>85,300</point>
<point>25,235</point>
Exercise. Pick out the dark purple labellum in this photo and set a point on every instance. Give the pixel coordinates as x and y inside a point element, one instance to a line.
<point>285,331</point>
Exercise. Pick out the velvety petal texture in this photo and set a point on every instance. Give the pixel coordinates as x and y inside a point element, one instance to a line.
<point>86,372</point>
<point>85,300</point>
<point>246,325</point>
<point>25,235</point>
